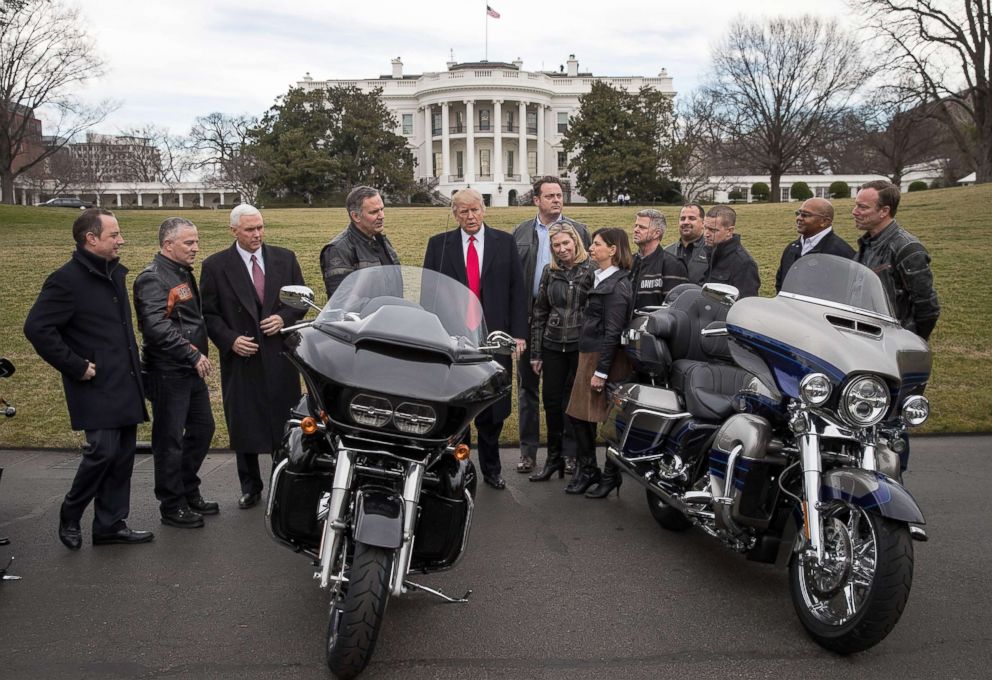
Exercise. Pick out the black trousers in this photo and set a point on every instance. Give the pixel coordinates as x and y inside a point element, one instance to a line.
<point>489,431</point>
<point>585,442</point>
<point>104,477</point>
<point>182,427</point>
<point>249,472</point>
<point>558,370</point>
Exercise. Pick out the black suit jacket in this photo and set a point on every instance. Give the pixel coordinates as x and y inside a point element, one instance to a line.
<point>258,390</point>
<point>831,244</point>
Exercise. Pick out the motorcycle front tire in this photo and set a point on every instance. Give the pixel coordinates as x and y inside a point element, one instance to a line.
<point>880,605</point>
<point>356,617</point>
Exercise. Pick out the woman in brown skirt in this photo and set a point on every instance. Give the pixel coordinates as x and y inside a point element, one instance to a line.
<point>601,359</point>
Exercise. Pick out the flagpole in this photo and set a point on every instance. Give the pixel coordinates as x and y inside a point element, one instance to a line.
<point>486,57</point>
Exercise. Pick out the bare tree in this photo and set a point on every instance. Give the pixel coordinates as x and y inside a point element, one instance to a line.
<point>692,145</point>
<point>172,161</point>
<point>943,56</point>
<point>777,86</point>
<point>900,133</point>
<point>45,54</point>
<point>225,153</point>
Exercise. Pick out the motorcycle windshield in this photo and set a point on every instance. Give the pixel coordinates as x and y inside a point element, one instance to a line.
<point>838,282</point>
<point>415,306</point>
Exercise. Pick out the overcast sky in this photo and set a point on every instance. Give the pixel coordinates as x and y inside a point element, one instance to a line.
<point>168,62</point>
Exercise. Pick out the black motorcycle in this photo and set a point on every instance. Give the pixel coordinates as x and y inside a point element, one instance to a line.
<point>372,481</point>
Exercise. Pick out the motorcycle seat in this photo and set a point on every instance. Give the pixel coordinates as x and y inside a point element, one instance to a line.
<point>709,389</point>
<point>680,324</point>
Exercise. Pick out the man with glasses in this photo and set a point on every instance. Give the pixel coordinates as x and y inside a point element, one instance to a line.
<point>534,249</point>
<point>814,223</point>
<point>729,261</point>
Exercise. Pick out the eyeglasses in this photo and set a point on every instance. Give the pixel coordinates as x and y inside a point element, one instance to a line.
<point>804,214</point>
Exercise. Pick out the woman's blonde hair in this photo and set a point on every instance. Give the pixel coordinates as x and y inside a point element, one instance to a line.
<point>565,228</point>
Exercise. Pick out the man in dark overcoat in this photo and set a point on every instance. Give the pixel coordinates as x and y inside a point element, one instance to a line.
<point>81,325</point>
<point>240,287</point>
<point>814,224</point>
<point>499,284</point>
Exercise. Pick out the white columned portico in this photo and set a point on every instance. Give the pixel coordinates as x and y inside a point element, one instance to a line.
<point>522,144</point>
<point>497,162</point>
<point>470,141</point>
<point>445,144</point>
<point>541,113</point>
<point>428,143</point>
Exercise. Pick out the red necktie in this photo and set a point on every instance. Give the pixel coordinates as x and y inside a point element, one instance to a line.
<point>474,285</point>
<point>258,278</point>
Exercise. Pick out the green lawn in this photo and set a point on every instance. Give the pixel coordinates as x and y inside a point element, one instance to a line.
<point>950,222</point>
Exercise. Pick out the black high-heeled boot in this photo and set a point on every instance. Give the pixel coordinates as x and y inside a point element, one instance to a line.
<point>609,480</point>
<point>554,463</point>
<point>583,479</point>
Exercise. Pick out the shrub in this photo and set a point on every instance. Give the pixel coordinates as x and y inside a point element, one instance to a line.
<point>735,195</point>
<point>760,191</point>
<point>800,191</point>
<point>918,185</point>
<point>839,190</point>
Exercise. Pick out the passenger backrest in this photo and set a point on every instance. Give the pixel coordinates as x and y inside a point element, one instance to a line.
<point>680,325</point>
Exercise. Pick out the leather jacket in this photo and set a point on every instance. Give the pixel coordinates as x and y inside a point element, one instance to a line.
<point>654,276</point>
<point>556,319</point>
<point>167,301</point>
<point>525,236</point>
<point>730,263</point>
<point>351,250</point>
<point>903,265</point>
<point>607,311</point>
<point>694,257</point>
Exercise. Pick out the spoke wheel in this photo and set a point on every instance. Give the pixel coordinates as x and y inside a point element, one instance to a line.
<point>853,599</point>
<point>357,611</point>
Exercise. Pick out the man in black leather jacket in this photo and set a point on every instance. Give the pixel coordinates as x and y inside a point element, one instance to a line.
<point>730,263</point>
<point>174,356</point>
<point>898,257</point>
<point>656,271</point>
<point>362,243</point>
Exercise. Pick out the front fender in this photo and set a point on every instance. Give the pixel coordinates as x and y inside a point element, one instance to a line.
<point>379,519</point>
<point>873,492</point>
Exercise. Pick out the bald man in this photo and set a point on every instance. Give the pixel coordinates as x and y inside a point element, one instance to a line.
<point>814,223</point>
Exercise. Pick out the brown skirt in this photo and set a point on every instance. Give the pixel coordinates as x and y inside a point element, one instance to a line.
<point>584,404</point>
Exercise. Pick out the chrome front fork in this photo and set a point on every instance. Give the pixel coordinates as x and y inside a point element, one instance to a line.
<point>809,449</point>
<point>334,527</point>
<point>411,498</point>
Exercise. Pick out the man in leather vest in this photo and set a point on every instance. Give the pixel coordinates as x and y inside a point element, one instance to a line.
<point>898,257</point>
<point>174,354</point>
<point>362,243</point>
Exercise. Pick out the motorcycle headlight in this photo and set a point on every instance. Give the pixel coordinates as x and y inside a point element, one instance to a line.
<point>815,389</point>
<point>414,418</point>
<point>915,410</point>
<point>370,411</point>
<point>864,401</point>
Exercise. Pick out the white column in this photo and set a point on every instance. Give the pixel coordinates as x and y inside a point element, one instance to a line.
<point>428,144</point>
<point>119,204</point>
<point>160,200</point>
<point>445,144</point>
<point>222,198</point>
<point>180,195</point>
<point>98,200</point>
<point>202,204</point>
<point>497,163</point>
<point>139,200</point>
<point>470,141</point>
<point>541,113</point>
<point>522,144</point>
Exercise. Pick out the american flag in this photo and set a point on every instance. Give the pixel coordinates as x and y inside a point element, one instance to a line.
<point>491,12</point>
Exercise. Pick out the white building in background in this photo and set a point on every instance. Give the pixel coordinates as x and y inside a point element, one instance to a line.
<point>488,125</point>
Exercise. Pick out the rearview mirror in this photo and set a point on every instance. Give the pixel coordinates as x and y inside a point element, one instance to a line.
<point>297,297</point>
<point>721,292</point>
<point>499,342</point>
<point>6,368</point>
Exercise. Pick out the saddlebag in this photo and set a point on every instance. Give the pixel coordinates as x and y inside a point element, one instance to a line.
<point>640,417</point>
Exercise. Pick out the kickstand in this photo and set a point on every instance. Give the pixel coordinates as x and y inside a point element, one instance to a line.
<point>437,593</point>
<point>4,576</point>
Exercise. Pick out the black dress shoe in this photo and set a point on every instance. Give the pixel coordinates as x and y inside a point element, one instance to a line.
<point>183,518</point>
<point>249,500</point>
<point>495,481</point>
<point>69,532</point>
<point>123,535</point>
<point>204,507</point>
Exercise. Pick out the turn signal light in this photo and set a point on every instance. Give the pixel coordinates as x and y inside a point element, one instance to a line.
<point>462,452</point>
<point>308,425</point>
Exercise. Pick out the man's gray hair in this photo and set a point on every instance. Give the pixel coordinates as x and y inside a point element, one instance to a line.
<point>657,220</point>
<point>168,230</point>
<point>240,211</point>
<point>356,197</point>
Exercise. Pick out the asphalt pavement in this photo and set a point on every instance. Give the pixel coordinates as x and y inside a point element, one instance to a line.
<point>563,587</point>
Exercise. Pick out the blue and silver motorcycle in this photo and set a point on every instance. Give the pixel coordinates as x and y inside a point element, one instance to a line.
<point>776,425</point>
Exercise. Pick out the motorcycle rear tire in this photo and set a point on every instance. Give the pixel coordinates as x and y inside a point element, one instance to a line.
<point>356,617</point>
<point>665,515</point>
<point>880,606</point>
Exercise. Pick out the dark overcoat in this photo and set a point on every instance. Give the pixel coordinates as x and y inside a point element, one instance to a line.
<point>505,299</point>
<point>258,390</point>
<point>83,314</point>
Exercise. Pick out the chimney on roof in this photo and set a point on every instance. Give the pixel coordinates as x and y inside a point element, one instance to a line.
<point>397,68</point>
<point>573,66</point>
<point>518,62</point>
